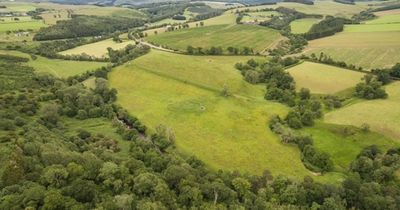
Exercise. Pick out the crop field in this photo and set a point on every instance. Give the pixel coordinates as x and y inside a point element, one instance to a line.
<point>374,44</point>
<point>321,7</point>
<point>59,68</point>
<point>256,37</point>
<point>97,49</point>
<point>369,50</point>
<point>344,147</point>
<point>382,115</point>
<point>301,26</point>
<point>324,79</point>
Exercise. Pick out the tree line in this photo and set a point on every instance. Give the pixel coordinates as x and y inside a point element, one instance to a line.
<point>82,25</point>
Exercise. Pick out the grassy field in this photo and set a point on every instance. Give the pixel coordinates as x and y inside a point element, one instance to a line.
<point>300,26</point>
<point>324,79</point>
<point>374,44</point>
<point>59,68</point>
<point>369,50</point>
<point>256,37</point>
<point>344,147</point>
<point>321,7</point>
<point>382,115</point>
<point>227,17</point>
<point>183,93</point>
<point>97,49</point>
<point>51,17</point>
<point>21,25</point>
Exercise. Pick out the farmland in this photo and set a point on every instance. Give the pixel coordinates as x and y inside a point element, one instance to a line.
<point>381,115</point>
<point>371,45</point>
<point>300,26</point>
<point>321,7</point>
<point>59,68</point>
<point>97,49</point>
<point>324,79</point>
<point>256,37</point>
<point>227,17</point>
<point>24,24</point>
<point>206,124</point>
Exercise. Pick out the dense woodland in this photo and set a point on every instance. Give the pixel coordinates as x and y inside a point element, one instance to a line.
<point>81,26</point>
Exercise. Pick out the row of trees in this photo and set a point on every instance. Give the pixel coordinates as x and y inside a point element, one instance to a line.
<point>219,51</point>
<point>327,27</point>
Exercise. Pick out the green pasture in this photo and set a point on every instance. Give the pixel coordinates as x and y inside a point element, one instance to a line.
<point>301,26</point>
<point>382,115</point>
<point>57,67</point>
<point>184,93</point>
<point>324,79</point>
<point>21,25</point>
<point>257,37</point>
<point>344,143</point>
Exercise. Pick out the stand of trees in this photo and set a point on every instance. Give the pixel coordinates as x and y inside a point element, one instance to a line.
<point>307,2</point>
<point>327,27</point>
<point>130,52</point>
<point>81,26</point>
<point>370,88</point>
<point>345,1</point>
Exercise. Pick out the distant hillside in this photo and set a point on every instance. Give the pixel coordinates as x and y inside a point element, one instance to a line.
<point>143,2</point>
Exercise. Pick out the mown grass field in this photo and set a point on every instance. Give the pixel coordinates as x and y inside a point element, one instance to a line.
<point>97,49</point>
<point>300,26</point>
<point>59,68</point>
<point>382,115</point>
<point>21,25</point>
<point>183,93</point>
<point>321,7</point>
<point>324,79</point>
<point>374,44</point>
<point>256,37</point>
<point>344,146</point>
